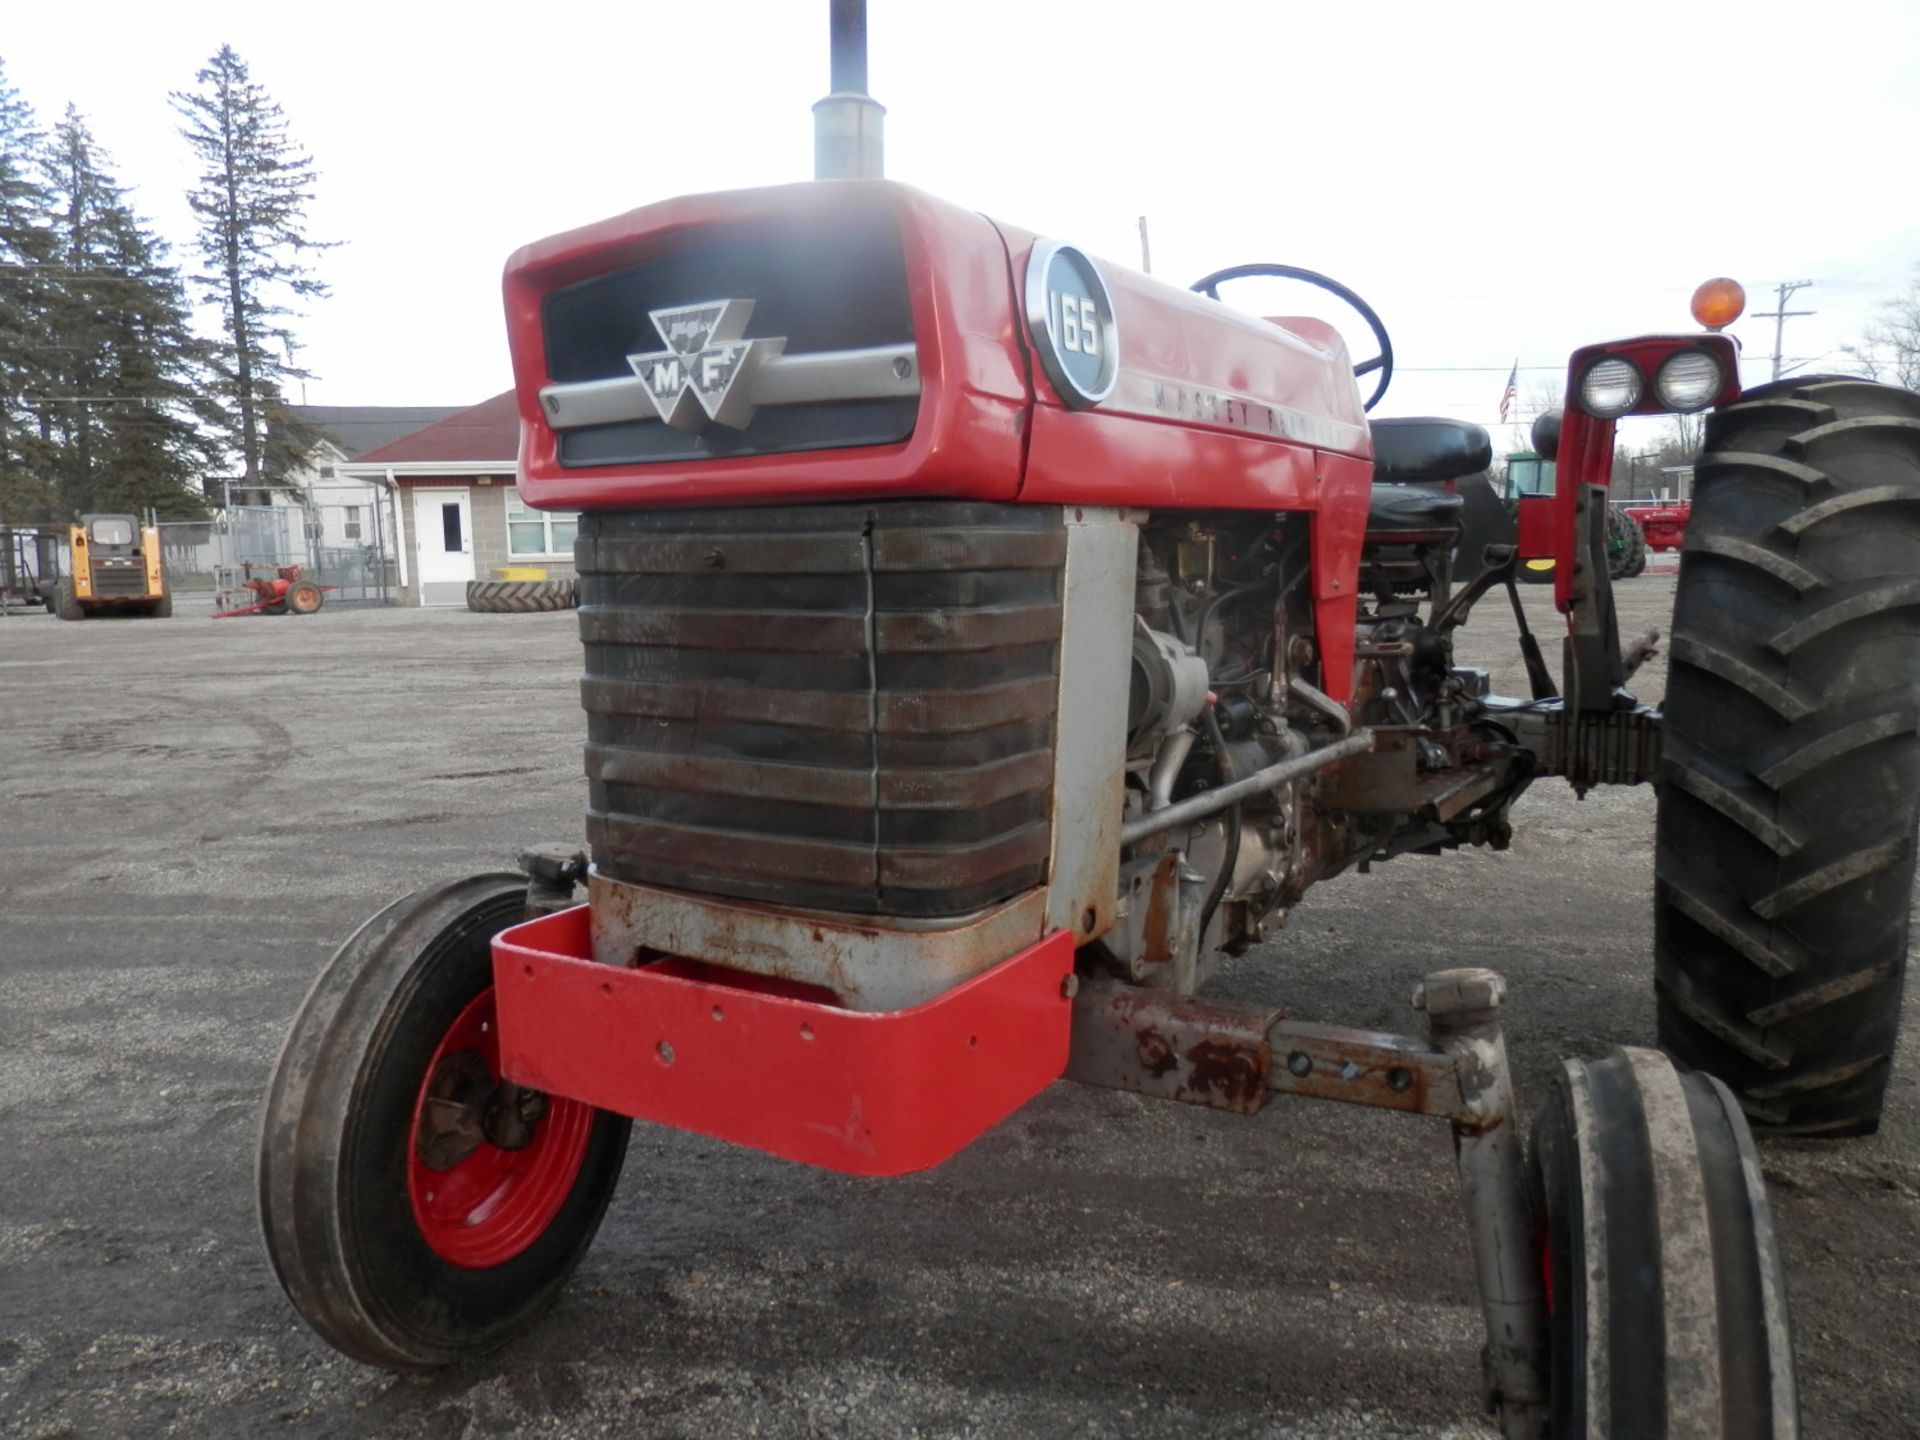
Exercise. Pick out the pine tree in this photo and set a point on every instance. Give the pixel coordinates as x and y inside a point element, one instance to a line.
<point>27,493</point>
<point>127,365</point>
<point>255,186</point>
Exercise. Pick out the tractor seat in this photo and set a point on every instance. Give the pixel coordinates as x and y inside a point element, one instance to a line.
<point>1400,509</point>
<point>1413,450</point>
<point>1413,459</point>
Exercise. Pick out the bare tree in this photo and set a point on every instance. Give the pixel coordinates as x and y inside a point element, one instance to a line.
<point>1889,348</point>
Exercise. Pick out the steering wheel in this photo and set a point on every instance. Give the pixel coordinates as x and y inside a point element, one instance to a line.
<point>1209,285</point>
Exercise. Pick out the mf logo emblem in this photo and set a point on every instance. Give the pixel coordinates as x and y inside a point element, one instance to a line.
<point>706,371</point>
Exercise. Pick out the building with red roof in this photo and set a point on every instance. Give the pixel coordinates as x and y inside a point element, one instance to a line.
<point>460,516</point>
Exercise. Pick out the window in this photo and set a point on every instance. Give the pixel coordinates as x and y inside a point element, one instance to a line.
<point>539,532</point>
<point>1530,475</point>
<point>350,522</point>
<point>120,532</point>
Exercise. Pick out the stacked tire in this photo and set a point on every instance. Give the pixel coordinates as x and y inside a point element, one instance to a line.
<point>1791,794</point>
<point>521,597</point>
<point>1626,545</point>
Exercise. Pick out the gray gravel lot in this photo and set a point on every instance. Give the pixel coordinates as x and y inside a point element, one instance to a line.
<point>193,814</point>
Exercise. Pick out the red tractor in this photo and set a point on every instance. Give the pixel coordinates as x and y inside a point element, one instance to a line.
<point>253,588</point>
<point>1663,523</point>
<point>979,638</point>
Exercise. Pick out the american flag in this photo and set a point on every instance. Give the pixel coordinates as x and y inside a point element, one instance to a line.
<point>1506,400</point>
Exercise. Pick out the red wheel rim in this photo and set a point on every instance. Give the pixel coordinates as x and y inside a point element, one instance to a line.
<point>495,1203</point>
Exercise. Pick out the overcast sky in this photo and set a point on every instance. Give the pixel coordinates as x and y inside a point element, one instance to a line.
<point>1502,181</point>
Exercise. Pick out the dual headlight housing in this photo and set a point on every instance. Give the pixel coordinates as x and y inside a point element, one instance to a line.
<point>1686,380</point>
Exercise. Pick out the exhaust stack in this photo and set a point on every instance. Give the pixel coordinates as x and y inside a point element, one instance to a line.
<point>847,124</point>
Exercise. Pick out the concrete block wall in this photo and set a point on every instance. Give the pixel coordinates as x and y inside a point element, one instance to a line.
<point>487,507</point>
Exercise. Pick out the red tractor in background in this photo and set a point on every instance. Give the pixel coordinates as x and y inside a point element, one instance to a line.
<point>1663,523</point>
<point>256,588</point>
<point>979,638</point>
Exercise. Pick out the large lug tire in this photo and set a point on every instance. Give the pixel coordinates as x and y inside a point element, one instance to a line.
<point>163,607</point>
<point>521,597</point>
<point>396,1253</point>
<point>304,598</point>
<point>1631,558</point>
<point>65,605</point>
<point>1667,1310</point>
<point>1791,793</point>
<point>1621,533</point>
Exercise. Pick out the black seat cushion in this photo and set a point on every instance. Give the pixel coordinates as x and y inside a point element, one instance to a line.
<point>1412,507</point>
<point>1428,449</point>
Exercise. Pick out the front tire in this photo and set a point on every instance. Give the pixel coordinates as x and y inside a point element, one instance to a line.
<point>1787,816</point>
<point>405,1236</point>
<point>65,604</point>
<point>1667,1310</point>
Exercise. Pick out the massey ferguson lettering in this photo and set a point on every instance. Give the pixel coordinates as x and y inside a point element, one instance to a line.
<point>697,379</point>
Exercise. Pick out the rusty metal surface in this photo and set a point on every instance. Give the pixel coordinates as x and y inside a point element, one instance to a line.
<point>844,708</point>
<point>739,554</point>
<point>1231,1057</point>
<point>755,704</point>
<point>1172,1047</point>
<point>867,964</point>
<point>967,550</point>
<point>1382,783</point>
<point>1363,1067</point>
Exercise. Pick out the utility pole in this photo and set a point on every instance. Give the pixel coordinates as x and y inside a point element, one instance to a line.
<point>1781,315</point>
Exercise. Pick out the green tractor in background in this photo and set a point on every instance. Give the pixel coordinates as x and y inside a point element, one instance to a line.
<point>1529,478</point>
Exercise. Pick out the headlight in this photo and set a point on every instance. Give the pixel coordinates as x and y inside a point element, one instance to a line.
<point>1688,380</point>
<point>1610,388</point>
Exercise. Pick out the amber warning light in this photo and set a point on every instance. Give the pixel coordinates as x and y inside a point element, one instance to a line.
<point>1718,302</point>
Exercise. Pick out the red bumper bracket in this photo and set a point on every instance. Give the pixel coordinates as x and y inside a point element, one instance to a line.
<point>868,1093</point>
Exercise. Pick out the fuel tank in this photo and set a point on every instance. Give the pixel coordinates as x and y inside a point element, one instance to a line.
<point>844,340</point>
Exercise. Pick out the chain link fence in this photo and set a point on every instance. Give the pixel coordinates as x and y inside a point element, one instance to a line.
<point>349,547</point>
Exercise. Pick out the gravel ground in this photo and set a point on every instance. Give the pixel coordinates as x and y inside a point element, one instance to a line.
<point>196,814</point>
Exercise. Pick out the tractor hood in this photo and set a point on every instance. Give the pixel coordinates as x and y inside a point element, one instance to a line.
<point>849,339</point>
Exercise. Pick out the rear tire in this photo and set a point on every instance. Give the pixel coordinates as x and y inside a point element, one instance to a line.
<point>304,598</point>
<point>1667,1307</point>
<point>65,605</point>
<point>369,1254</point>
<point>162,608</point>
<point>1785,857</point>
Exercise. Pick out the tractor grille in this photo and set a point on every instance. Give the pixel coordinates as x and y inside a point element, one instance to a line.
<point>844,707</point>
<point>819,285</point>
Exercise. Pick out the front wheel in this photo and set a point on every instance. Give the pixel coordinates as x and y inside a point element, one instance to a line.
<point>66,604</point>
<point>416,1208</point>
<point>1667,1311</point>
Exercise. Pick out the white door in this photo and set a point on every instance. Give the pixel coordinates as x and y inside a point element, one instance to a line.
<point>443,526</point>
